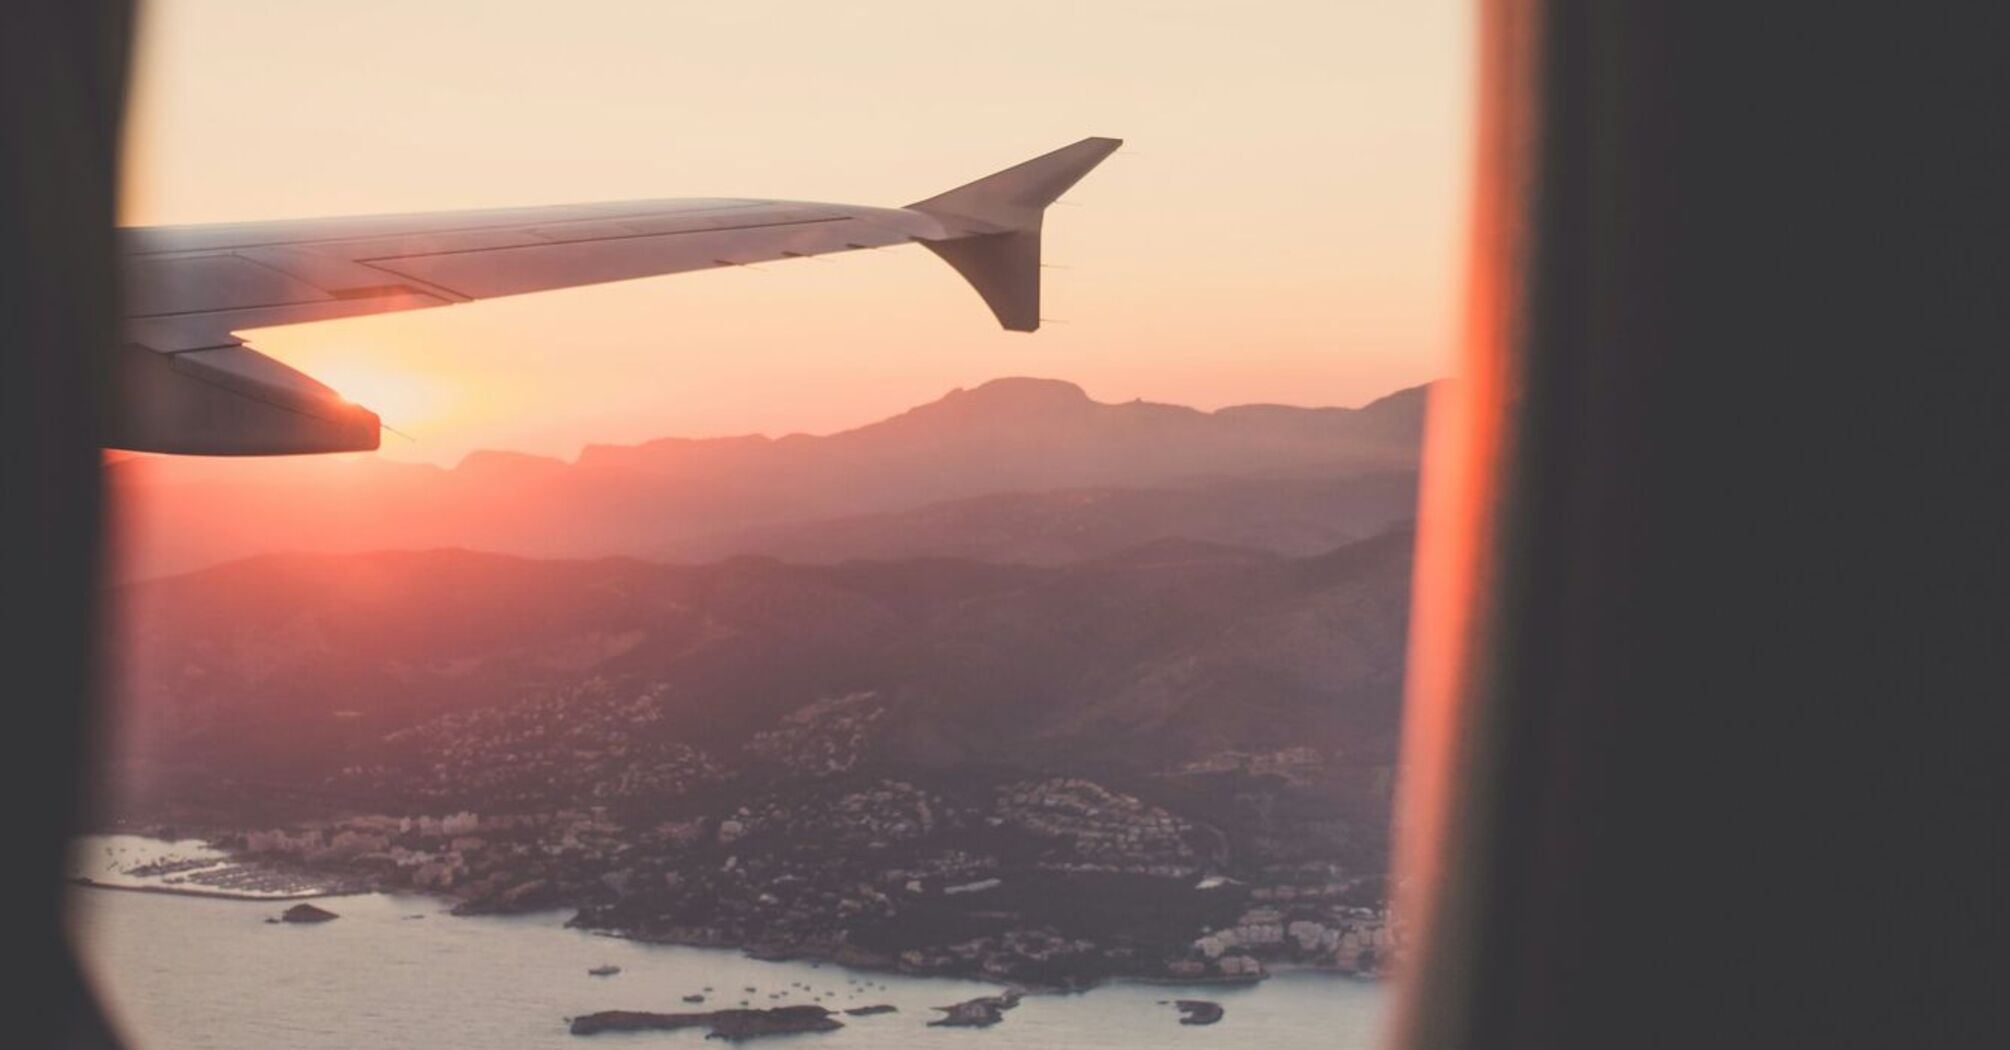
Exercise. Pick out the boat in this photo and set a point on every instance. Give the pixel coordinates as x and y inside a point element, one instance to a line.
<point>604,971</point>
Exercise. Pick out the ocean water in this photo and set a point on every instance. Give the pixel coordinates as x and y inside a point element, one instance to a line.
<point>181,973</point>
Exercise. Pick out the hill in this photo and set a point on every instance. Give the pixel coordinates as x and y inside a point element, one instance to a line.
<point>1290,480</point>
<point>295,667</point>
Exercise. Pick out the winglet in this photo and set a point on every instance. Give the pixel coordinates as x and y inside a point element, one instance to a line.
<point>996,246</point>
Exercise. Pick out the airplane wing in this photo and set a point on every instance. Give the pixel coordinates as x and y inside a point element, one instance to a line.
<point>186,384</point>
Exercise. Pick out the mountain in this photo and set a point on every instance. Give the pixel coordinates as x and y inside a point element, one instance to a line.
<point>1016,684</point>
<point>1296,516</point>
<point>297,668</point>
<point>1128,766</point>
<point>802,495</point>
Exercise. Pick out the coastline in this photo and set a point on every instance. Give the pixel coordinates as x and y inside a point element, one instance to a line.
<point>853,960</point>
<point>228,895</point>
<point>849,958</point>
<point>857,959</point>
<point>518,981</point>
<point>257,876</point>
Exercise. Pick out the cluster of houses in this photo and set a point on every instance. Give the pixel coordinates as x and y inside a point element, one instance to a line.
<point>829,736</point>
<point>1291,763</point>
<point>591,742</point>
<point>873,816</point>
<point>1109,831</point>
<point>582,802</point>
<point>1353,939</point>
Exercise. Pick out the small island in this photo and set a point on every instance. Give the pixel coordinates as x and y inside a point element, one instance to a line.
<point>307,913</point>
<point>731,1025</point>
<point>982,1012</point>
<point>1198,1011</point>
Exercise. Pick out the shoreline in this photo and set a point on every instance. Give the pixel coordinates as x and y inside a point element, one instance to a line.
<point>865,963</point>
<point>759,953</point>
<point>228,895</point>
<point>769,953</point>
<point>818,953</point>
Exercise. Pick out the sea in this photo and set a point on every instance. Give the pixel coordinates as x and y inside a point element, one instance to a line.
<point>182,972</point>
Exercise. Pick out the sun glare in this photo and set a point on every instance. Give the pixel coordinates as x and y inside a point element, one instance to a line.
<point>405,400</point>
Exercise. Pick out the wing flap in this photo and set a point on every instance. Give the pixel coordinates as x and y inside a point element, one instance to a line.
<point>229,401</point>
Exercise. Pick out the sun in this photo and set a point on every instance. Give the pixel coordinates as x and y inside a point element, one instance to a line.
<point>406,400</point>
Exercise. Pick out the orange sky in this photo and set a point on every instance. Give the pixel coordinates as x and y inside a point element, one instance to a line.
<point>1283,225</point>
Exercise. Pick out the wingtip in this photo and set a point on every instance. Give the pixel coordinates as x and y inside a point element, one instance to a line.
<point>997,219</point>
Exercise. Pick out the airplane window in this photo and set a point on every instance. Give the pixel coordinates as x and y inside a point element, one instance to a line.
<point>766,518</point>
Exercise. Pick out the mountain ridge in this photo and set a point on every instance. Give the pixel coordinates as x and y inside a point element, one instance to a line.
<point>686,497</point>
<point>300,663</point>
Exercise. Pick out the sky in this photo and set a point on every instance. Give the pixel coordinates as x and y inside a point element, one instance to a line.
<point>1283,225</point>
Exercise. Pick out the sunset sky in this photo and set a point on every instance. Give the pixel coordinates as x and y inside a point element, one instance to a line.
<point>1283,224</point>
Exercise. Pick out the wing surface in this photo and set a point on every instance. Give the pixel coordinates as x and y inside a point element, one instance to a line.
<point>187,383</point>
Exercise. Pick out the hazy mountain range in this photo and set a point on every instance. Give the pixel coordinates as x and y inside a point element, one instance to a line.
<point>1014,575</point>
<point>293,665</point>
<point>1021,470</point>
<point>1010,671</point>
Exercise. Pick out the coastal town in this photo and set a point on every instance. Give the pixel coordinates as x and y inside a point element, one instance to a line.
<point>802,843</point>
